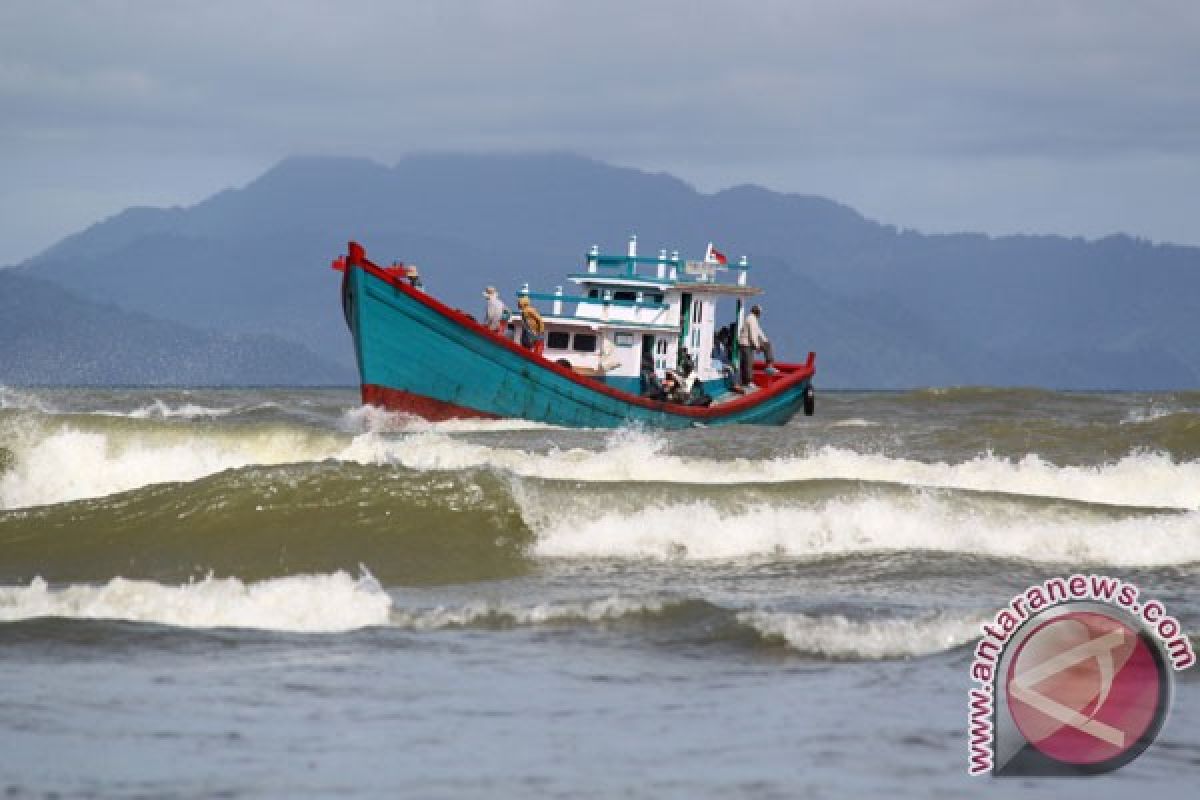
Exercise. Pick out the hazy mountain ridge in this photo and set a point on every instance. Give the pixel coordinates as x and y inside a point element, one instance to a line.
<point>54,337</point>
<point>882,307</point>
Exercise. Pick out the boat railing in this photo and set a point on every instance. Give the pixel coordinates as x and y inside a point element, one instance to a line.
<point>630,263</point>
<point>600,300</point>
<point>666,268</point>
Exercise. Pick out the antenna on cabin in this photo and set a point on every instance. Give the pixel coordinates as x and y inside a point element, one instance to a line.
<point>633,246</point>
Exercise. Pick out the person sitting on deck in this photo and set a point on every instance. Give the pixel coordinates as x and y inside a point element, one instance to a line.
<point>672,390</point>
<point>533,334</point>
<point>496,316</point>
<point>750,339</point>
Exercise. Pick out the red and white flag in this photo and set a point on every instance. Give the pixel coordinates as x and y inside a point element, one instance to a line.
<point>715,256</point>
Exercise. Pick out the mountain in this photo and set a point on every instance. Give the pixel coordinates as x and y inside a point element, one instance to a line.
<point>53,337</point>
<point>882,307</point>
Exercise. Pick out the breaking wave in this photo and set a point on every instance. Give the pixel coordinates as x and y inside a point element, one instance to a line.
<point>874,522</point>
<point>55,460</point>
<point>339,603</point>
<point>508,614</point>
<point>837,637</point>
<point>303,603</point>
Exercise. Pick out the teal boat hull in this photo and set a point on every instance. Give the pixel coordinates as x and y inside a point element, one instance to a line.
<point>416,354</point>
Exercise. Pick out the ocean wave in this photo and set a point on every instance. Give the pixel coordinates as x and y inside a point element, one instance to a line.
<point>16,400</point>
<point>61,461</point>
<point>837,637</point>
<point>414,528</point>
<point>161,410</point>
<point>372,419</point>
<point>1015,396</point>
<point>1138,479</point>
<point>865,523</point>
<point>340,603</point>
<point>827,636</point>
<point>426,527</point>
<point>1137,416</point>
<point>330,603</point>
<point>55,460</point>
<point>509,614</point>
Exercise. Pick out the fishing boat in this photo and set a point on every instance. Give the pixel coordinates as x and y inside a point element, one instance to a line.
<point>632,321</point>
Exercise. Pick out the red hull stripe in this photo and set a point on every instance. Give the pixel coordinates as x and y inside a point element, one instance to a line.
<point>419,404</point>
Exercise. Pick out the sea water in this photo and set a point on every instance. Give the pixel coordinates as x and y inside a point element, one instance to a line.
<point>280,593</point>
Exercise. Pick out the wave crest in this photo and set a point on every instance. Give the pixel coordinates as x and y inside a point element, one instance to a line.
<point>865,523</point>
<point>837,637</point>
<point>330,603</point>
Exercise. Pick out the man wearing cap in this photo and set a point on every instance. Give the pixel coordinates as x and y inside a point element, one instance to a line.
<point>496,312</point>
<point>751,339</point>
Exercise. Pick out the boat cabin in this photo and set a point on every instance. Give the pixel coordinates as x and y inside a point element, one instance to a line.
<point>627,307</point>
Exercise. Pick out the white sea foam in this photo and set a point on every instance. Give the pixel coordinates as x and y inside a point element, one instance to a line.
<point>1151,413</point>
<point>61,462</point>
<point>57,462</point>
<point>854,422</point>
<point>1139,479</point>
<point>21,401</point>
<point>837,637</point>
<point>865,524</point>
<point>302,603</point>
<point>593,610</point>
<point>338,602</point>
<point>160,410</point>
<point>371,419</point>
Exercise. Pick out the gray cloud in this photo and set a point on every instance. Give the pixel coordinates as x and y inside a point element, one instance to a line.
<point>924,113</point>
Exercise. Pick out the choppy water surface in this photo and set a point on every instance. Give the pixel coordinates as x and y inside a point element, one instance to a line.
<point>281,593</point>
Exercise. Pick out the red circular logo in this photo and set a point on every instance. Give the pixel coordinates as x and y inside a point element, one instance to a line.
<point>1085,688</point>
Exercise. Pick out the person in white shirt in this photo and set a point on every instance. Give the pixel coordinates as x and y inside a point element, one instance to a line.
<point>496,315</point>
<point>751,339</point>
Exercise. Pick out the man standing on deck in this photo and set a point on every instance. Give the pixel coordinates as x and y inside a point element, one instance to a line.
<point>752,339</point>
<point>534,331</point>
<point>494,318</point>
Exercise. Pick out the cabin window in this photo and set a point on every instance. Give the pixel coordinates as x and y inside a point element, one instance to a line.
<point>661,347</point>
<point>624,339</point>
<point>629,296</point>
<point>585,342</point>
<point>594,293</point>
<point>656,298</point>
<point>558,340</point>
<point>698,312</point>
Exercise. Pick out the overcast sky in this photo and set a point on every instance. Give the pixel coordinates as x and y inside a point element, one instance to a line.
<point>1080,117</point>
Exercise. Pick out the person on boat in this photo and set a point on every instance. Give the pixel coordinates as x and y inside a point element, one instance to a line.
<point>496,316</point>
<point>751,339</point>
<point>722,342</point>
<point>414,277</point>
<point>650,383</point>
<point>671,390</point>
<point>533,334</point>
